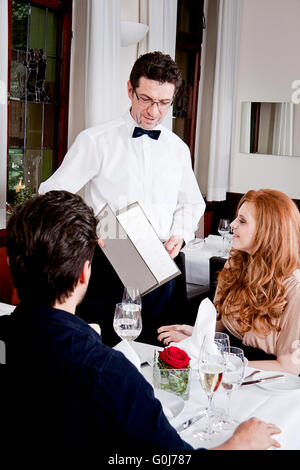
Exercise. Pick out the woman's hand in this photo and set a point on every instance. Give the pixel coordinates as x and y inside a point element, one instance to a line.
<point>174,333</point>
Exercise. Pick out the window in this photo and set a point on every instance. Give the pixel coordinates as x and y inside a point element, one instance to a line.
<point>39,58</point>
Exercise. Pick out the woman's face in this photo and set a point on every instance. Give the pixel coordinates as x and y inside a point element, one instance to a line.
<point>244,228</point>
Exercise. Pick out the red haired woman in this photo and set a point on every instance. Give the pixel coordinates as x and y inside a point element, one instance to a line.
<point>258,292</point>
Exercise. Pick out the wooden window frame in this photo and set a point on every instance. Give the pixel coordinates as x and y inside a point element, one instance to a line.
<point>64,9</point>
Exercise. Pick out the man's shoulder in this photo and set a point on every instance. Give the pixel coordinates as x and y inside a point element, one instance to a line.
<point>174,139</point>
<point>102,129</point>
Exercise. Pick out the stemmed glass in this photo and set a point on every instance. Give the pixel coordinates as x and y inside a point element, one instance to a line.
<point>211,368</point>
<point>131,295</point>
<point>128,321</point>
<point>222,339</point>
<point>232,379</point>
<point>223,228</point>
<point>228,241</point>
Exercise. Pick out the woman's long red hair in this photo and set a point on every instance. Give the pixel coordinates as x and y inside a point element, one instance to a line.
<point>251,288</point>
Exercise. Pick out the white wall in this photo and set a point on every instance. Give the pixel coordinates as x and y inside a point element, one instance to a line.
<point>268,64</point>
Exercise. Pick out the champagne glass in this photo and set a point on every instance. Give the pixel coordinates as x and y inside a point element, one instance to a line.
<point>232,378</point>
<point>128,321</point>
<point>223,228</point>
<point>211,368</point>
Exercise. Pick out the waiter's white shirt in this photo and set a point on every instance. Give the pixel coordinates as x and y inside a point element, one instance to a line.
<point>119,169</point>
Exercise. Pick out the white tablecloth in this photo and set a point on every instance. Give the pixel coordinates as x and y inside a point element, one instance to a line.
<point>280,407</point>
<point>197,256</point>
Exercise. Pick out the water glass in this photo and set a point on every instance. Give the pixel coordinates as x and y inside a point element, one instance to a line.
<point>128,321</point>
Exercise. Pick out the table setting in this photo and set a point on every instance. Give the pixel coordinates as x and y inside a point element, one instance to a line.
<point>197,254</point>
<point>198,251</point>
<point>272,396</point>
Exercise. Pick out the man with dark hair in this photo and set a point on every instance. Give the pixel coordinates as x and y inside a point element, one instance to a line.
<point>48,241</point>
<point>158,67</point>
<point>67,392</point>
<point>135,158</point>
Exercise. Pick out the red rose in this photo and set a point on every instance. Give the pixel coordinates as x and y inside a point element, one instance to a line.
<point>174,358</point>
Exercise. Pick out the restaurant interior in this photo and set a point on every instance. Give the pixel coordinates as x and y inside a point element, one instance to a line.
<point>237,108</point>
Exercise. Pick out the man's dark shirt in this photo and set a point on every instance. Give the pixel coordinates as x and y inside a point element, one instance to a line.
<point>66,389</point>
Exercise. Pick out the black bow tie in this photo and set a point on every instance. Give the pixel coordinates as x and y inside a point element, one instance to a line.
<point>138,131</point>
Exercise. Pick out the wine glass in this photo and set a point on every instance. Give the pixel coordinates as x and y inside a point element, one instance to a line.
<point>232,378</point>
<point>222,339</point>
<point>228,241</point>
<point>131,295</point>
<point>223,228</point>
<point>211,368</point>
<point>128,321</point>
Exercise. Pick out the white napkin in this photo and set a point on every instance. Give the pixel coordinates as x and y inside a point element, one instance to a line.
<point>96,327</point>
<point>128,351</point>
<point>205,326</point>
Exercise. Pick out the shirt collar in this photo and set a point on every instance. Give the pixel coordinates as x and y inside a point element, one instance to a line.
<point>131,123</point>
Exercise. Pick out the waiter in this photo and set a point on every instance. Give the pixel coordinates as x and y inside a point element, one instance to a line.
<point>135,158</point>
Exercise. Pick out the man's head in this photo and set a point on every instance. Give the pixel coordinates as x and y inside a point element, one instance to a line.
<point>49,239</point>
<point>155,77</point>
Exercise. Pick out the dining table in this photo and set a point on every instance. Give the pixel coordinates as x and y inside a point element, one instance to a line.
<point>275,402</point>
<point>197,254</point>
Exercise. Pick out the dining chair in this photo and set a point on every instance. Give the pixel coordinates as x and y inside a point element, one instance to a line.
<point>8,292</point>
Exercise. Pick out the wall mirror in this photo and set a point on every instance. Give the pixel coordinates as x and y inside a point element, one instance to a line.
<point>270,128</point>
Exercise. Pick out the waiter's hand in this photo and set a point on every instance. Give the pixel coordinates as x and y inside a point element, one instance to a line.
<point>101,242</point>
<point>173,245</point>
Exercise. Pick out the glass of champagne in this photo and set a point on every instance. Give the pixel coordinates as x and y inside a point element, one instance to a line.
<point>232,378</point>
<point>211,368</point>
<point>223,229</point>
<point>128,321</point>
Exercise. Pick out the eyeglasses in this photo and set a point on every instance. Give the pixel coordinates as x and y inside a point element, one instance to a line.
<point>146,102</point>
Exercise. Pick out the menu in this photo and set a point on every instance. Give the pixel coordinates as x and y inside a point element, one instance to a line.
<point>134,249</point>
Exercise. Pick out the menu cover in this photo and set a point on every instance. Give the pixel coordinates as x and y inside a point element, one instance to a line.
<point>134,249</point>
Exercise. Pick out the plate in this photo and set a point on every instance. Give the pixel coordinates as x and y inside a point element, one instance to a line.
<point>172,404</point>
<point>290,382</point>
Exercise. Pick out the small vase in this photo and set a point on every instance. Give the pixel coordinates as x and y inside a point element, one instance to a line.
<point>176,381</point>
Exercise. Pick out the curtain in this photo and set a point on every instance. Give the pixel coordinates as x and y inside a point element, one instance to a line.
<point>245,127</point>
<point>223,99</point>
<point>283,129</point>
<point>3,108</point>
<point>102,80</point>
<point>161,16</point>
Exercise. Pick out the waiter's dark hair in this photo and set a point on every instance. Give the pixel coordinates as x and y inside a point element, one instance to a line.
<point>49,238</point>
<point>156,66</point>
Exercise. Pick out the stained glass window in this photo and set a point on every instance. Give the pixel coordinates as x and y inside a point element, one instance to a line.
<point>33,101</point>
